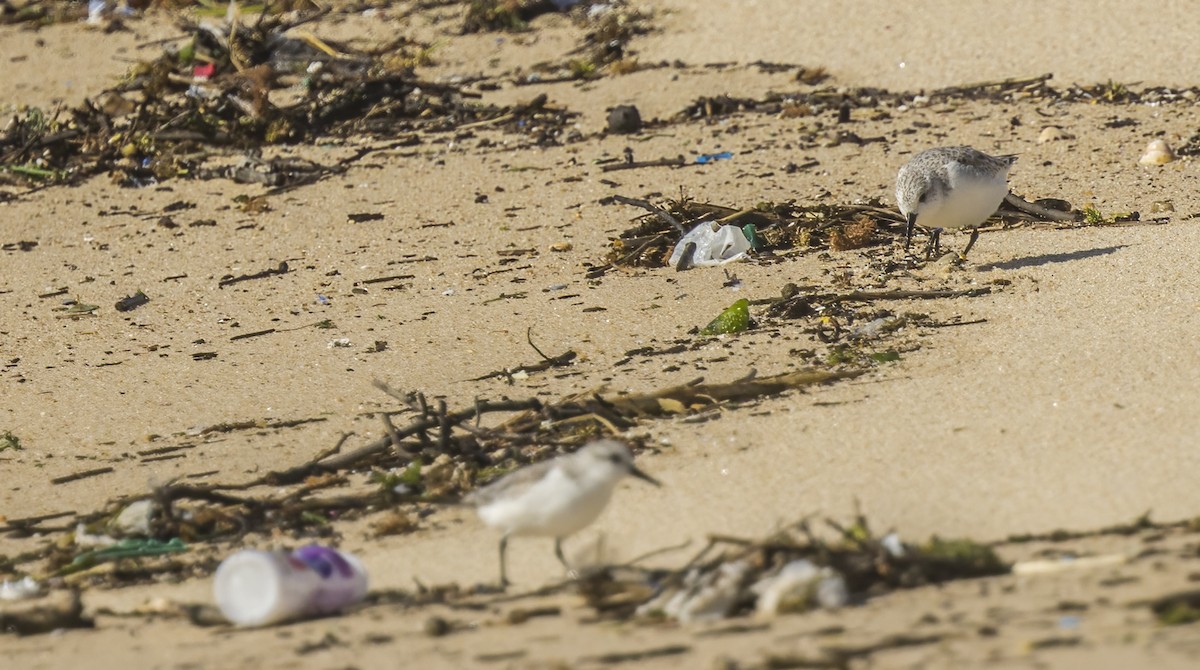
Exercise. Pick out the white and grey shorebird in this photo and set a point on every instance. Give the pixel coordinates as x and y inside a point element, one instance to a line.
<point>951,187</point>
<point>555,498</point>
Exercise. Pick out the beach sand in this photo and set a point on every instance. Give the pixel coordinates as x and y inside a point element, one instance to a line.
<point>1068,402</point>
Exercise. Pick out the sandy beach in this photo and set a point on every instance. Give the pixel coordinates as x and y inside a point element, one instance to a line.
<point>1057,392</point>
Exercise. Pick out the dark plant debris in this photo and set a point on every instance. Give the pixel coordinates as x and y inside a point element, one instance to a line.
<point>831,99</point>
<point>436,457</point>
<point>132,302</point>
<point>870,566</point>
<point>35,617</point>
<point>235,88</point>
<point>789,226</point>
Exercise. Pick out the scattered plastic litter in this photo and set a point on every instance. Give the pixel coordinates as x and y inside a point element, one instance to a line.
<point>259,588</point>
<point>704,596</point>
<point>832,591</point>
<point>751,232</point>
<point>86,539</point>
<point>876,328</point>
<point>712,158</point>
<point>132,548</point>
<point>100,10</point>
<point>734,319</point>
<point>799,586</point>
<point>204,72</point>
<point>711,246</point>
<point>96,11</point>
<point>597,10</point>
<point>891,542</point>
<point>20,589</point>
<point>135,519</point>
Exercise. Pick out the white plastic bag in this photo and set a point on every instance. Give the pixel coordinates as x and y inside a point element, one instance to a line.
<point>713,246</point>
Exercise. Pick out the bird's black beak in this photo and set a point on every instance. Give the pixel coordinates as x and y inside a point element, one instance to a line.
<point>633,470</point>
<point>912,221</point>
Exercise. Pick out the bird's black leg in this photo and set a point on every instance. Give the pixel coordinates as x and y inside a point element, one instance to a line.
<point>559,553</point>
<point>934,247</point>
<point>503,567</point>
<point>970,243</point>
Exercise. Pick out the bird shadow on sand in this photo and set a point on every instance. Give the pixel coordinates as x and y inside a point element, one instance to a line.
<point>1047,259</point>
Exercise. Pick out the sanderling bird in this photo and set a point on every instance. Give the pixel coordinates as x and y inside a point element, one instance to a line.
<point>555,498</point>
<point>951,187</point>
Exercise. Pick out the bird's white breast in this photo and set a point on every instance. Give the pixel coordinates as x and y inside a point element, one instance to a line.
<point>967,204</point>
<point>554,506</point>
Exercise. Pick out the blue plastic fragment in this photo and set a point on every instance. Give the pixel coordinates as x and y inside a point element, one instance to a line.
<point>710,158</point>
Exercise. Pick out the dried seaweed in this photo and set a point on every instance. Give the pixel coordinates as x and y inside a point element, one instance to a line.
<point>870,566</point>
<point>38,617</point>
<point>435,458</point>
<point>780,226</point>
<point>242,85</point>
<point>41,13</point>
<point>510,15</point>
<point>830,99</point>
<point>609,27</point>
<point>789,226</point>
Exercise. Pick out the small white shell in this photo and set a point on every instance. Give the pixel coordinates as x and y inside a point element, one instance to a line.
<point>1157,153</point>
<point>1053,134</point>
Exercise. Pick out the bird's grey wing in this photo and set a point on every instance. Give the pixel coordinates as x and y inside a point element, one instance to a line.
<point>962,172</point>
<point>511,484</point>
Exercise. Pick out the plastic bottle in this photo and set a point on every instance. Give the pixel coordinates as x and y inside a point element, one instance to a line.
<point>259,588</point>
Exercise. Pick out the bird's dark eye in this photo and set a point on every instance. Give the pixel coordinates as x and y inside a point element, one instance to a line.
<point>924,197</point>
<point>615,458</point>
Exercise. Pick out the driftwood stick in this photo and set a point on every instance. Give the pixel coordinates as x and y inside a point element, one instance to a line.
<point>653,209</point>
<point>633,165</point>
<point>1043,213</point>
<point>867,296</point>
<point>348,459</point>
<point>1017,82</point>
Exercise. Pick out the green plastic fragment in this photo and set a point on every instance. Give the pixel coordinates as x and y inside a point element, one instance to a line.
<point>128,548</point>
<point>734,319</point>
<point>888,356</point>
<point>187,52</point>
<point>751,232</point>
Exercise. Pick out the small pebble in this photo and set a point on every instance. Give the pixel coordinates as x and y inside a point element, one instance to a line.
<point>624,119</point>
<point>436,626</point>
